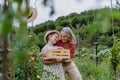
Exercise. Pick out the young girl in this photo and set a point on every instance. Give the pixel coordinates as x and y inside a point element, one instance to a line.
<point>53,65</point>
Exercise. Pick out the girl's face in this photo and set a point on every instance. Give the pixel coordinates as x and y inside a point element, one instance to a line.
<point>54,38</point>
<point>65,37</point>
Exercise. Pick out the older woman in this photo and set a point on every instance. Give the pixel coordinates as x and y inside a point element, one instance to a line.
<point>68,41</point>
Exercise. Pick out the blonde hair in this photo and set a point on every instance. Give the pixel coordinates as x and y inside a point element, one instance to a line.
<point>69,32</point>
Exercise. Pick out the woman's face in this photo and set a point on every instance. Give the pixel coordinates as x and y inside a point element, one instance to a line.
<point>65,37</point>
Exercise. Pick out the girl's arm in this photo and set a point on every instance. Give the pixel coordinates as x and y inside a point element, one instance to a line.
<point>47,62</point>
<point>51,61</point>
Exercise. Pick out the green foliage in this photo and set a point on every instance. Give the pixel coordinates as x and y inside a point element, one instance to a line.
<point>92,28</point>
<point>6,23</point>
<point>50,25</point>
<point>32,69</point>
<point>39,29</point>
<point>75,21</point>
<point>27,67</point>
<point>65,23</point>
<point>103,20</point>
<point>88,22</point>
<point>115,60</point>
<point>90,71</point>
<point>72,15</point>
<point>104,54</point>
<point>88,68</point>
<point>31,66</point>
<point>41,39</point>
<point>116,14</point>
<point>59,28</point>
<point>32,41</point>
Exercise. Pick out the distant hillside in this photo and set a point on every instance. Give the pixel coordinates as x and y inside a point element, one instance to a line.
<point>104,21</point>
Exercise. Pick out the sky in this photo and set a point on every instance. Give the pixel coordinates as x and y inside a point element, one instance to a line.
<point>65,7</point>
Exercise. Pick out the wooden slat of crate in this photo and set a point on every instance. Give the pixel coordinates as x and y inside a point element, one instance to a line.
<point>56,53</point>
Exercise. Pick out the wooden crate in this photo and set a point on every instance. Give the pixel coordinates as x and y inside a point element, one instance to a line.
<point>56,53</point>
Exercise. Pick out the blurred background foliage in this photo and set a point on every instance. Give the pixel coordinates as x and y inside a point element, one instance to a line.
<point>88,21</point>
<point>20,45</point>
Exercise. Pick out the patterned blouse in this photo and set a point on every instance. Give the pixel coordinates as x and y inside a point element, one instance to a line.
<point>56,68</point>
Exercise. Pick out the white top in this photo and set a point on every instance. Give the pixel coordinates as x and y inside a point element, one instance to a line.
<point>47,47</point>
<point>55,68</point>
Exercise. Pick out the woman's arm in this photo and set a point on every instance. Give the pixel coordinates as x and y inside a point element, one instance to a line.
<point>67,60</point>
<point>72,50</point>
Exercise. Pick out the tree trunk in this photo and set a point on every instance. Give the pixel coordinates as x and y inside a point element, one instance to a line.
<point>4,58</point>
<point>5,48</point>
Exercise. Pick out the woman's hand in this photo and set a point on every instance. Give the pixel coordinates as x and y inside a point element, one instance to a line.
<point>67,60</point>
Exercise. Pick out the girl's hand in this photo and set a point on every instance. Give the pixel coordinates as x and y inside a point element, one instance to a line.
<point>43,54</point>
<point>60,48</point>
<point>59,59</point>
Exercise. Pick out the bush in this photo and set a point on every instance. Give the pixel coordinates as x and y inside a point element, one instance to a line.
<point>90,71</point>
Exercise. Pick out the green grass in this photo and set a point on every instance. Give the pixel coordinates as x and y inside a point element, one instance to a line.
<point>90,71</point>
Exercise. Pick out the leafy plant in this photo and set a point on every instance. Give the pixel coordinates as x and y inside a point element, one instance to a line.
<point>90,71</point>
<point>115,60</point>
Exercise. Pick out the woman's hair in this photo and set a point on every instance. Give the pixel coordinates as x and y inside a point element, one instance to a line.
<point>69,32</point>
